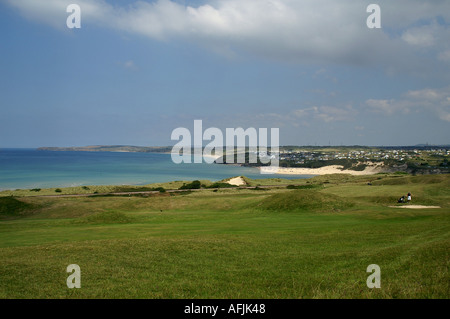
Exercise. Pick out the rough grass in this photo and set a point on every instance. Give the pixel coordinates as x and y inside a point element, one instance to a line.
<point>232,243</point>
<point>96,189</point>
<point>110,217</point>
<point>11,207</point>
<point>406,180</point>
<point>304,200</point>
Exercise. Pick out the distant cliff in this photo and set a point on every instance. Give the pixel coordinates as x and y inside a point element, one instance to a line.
<point>111,148</point>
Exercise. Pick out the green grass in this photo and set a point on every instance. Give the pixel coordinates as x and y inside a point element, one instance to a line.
<point>314,242</point>
<point>11,207</point>
<point>304,201</point>
<point>94,189</point>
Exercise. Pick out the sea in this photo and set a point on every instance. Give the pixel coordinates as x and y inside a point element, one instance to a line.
<point>33,168</point>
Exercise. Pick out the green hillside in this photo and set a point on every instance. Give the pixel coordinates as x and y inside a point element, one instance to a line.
<point>274,243</point>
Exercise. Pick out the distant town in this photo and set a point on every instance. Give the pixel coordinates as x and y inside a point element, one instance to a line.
<point>400,155</point>
<point>414,159</point>
<point>420,159</point>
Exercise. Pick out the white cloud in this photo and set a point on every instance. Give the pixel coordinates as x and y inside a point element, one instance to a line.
<point>288,30</point>
<point>381,106</point>
<point>324,113</point>
<point>303,113</point>
<point>304,117</point>
<point>436,101</point>
<point>433,37</point>
<point>53,12</point>
<point>332,113</point>
<point>130,65</point>
<point>422,37</point>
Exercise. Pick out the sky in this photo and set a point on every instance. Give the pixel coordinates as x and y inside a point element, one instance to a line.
<point>137,70</point>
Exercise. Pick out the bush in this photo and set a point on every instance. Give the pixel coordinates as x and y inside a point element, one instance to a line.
<point>221,185</point>
<point>310,186</point>
<point>58,190</point>
<point>194,185</point>
<point>134,189</point>
<point>257,188</point>
<point>359,167</point>
<point>160,189</point>
<point>35,190</point>
<point>131,189</point>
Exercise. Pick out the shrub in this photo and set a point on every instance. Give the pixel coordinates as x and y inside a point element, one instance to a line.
<point>58,190</point>
<point>257,188</point>
<point>193,185</point>
<point>359,167</point>
<point>221,185</point>
<point>310,186</point>
<point>160,189</point>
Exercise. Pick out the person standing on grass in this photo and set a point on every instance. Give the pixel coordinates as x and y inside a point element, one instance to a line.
<point>409,197</point>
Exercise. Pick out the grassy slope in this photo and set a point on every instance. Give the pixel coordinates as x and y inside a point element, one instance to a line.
<point>95,189</point>
<point>278,243</point>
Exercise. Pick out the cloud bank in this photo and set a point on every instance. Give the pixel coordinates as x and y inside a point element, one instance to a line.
<point>283,30</point>
<point>414,39</point>
<point>436,101</point>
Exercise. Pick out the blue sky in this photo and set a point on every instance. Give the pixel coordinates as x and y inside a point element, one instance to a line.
<point>136,70</point>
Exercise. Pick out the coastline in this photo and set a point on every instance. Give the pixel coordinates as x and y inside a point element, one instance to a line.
<point>331,169</point>
<point>27,169</point>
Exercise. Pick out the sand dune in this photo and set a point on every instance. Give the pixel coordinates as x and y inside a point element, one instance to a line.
<point>415,206</point>
<point>238,181</point>
<point>332,169</point>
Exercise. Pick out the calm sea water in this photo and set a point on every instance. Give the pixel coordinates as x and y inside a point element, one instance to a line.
<point>30,168</point>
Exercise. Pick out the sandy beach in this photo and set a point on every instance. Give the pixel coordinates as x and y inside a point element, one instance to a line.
<point>332,169</point>
<point>211,157</point>
<point>415,206</point>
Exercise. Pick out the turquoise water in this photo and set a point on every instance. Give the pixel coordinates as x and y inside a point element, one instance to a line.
<point>30,168</point>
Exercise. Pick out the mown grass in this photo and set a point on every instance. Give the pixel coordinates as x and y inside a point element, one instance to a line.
<point>232,243</point>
